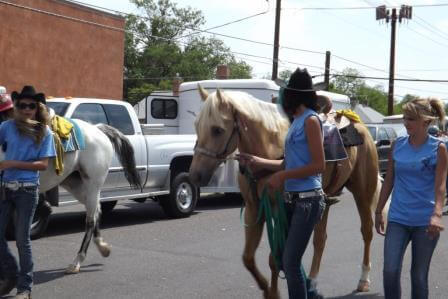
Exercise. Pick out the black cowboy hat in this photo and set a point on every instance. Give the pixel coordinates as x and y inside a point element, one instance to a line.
<point>28,92</point>
<point>301,84</point>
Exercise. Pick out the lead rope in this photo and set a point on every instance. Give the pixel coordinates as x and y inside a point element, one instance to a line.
<point>276,218</point>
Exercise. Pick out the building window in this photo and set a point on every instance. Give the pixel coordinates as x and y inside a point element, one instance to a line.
<point>163,108</point>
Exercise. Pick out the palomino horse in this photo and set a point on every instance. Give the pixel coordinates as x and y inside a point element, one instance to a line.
<point>84,174</point>
<point>236,120</point>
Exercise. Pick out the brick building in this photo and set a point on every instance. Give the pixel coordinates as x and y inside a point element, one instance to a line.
<point>62,48</point>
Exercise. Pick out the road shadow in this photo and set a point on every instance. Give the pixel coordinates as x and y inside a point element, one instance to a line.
<point>357,295</point>
<point>125,214</point>
<point>219,202</point>
<point>44,276</point>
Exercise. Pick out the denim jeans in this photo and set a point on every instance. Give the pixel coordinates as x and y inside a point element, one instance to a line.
<point>24,202</point>
<point>302,216</point>
<point>397,239</point>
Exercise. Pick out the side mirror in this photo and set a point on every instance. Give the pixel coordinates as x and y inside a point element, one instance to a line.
<point>383,142</point>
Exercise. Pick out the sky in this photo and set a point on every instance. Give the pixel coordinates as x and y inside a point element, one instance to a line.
<point>350,35</point>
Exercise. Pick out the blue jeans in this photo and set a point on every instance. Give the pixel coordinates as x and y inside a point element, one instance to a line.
<point>24,201</point>
<point>397,239</point>
<point>303,216</point>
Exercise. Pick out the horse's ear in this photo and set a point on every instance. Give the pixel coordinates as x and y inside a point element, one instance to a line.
<point>202,92</point>
<point>220,95</point>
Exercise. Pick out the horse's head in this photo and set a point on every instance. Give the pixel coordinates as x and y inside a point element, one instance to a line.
<point>217,136</point>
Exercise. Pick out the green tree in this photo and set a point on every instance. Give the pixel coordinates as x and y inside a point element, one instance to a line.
<point>285,74</point>
<point>164,43</point>
<point>347,82</point>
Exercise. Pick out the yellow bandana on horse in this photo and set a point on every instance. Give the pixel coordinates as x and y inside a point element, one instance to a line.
<point>61,128</point>
<point>350,114</point>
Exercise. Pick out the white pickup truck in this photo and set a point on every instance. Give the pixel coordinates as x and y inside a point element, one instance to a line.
<point>162,161</point>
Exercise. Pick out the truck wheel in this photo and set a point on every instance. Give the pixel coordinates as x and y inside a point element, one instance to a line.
<point>182,199</point>
<point>107,206</point>
<point>39,224</point>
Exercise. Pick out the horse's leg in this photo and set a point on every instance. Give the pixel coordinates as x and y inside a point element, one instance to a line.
<point>319,241</point>
<point>273,290</point>
<point>253,234</point>
<point>87,192</point>
<point>102,246</point>
<point>365,197</point>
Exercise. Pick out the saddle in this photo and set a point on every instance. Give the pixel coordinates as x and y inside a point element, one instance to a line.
<point>67,138</point>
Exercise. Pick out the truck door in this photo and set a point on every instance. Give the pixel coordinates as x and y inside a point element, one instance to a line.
<point>118,117</point>
<point>95,114</point>
<point>163,110</point>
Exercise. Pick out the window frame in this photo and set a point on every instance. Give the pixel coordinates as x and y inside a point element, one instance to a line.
<point>164,101</point>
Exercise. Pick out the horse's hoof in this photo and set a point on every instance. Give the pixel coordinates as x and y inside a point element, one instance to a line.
<point>72,269</point>
<point>105,250</point>
<point>363,286</point>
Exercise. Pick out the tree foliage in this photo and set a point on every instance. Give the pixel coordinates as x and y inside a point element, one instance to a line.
<point>165,43</point>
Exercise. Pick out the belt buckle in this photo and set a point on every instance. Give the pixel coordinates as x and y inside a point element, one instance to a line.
<point>14,185</point>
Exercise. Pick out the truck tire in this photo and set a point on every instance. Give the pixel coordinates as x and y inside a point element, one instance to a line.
<point>107,206</point>
<point>39,224</point>
<point>182,199</point>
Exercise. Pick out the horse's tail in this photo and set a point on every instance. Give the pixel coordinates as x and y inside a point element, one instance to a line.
<point>125,153</point>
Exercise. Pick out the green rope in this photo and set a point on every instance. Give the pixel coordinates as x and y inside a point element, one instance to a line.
<point>276,224</point>
<point>276,219</point>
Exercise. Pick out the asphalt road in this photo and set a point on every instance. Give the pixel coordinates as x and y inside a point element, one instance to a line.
<point>200,257</point>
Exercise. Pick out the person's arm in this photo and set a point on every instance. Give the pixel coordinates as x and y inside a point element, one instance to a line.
<point>256,163</point>
<point>435,223</point>
<point>386,189</point>
<point>34,165</point>
<point>317,165</point>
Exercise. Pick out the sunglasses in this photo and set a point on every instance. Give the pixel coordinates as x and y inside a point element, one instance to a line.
<point>23,106</point>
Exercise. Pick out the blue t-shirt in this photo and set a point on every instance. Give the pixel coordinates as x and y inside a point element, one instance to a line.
<point>413,196</point>
<point>23,148</point>
<point>297,154</point>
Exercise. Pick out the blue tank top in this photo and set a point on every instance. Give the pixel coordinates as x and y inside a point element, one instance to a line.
<point>297,154</point>
<point>413,196</point>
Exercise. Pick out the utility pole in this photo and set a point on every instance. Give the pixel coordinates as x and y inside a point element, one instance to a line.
<point>391,15</point>
<point>276,40</point>
<point>327,70</point>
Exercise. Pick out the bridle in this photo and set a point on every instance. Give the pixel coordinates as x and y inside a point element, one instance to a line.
<point>221,156</point>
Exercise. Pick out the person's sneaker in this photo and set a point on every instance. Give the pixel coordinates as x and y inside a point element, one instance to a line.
<point>7,285</point>
<point>23,295</point>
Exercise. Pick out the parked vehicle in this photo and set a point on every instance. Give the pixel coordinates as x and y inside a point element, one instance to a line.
<point>383,135</point>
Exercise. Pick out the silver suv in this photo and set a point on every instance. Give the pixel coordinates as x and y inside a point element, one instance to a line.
<point>383,135</point>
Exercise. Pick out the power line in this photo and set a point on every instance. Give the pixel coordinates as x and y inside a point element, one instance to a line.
<point>427,37</point>
<point>431,28</point>
<point>395,79</point>
<point>359,7</point>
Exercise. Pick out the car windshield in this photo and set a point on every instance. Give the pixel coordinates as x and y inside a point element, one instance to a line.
<point>372,131</point>
<point>58,107</point>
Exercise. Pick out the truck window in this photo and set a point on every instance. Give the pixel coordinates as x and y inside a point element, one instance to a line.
<point>119,118</point>
<point>163,109</point>
<point>92,113</point>
<point>391,133</point>
<point>58,107</point>
<point>382,135</point>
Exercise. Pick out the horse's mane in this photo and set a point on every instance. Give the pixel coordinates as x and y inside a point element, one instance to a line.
<point>264,114</point>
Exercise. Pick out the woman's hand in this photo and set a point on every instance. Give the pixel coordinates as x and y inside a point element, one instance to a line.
<point>435,226</point>
<point>250,161</point>
<point>276,181</point>
<point>379,223</point>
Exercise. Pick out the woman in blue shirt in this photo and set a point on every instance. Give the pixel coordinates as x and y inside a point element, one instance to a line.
<point>416,177</point>
<point>30,145</point>
<point>300,175</point>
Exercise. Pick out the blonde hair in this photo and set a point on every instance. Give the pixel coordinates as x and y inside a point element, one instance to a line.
<point>426,109</point>
<point>35,129</point>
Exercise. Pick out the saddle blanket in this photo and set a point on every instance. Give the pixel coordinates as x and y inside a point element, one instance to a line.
<point>69,134</point>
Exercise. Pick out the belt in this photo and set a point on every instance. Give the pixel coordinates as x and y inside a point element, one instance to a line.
<point>290,197</point>
<point>15,185</point>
